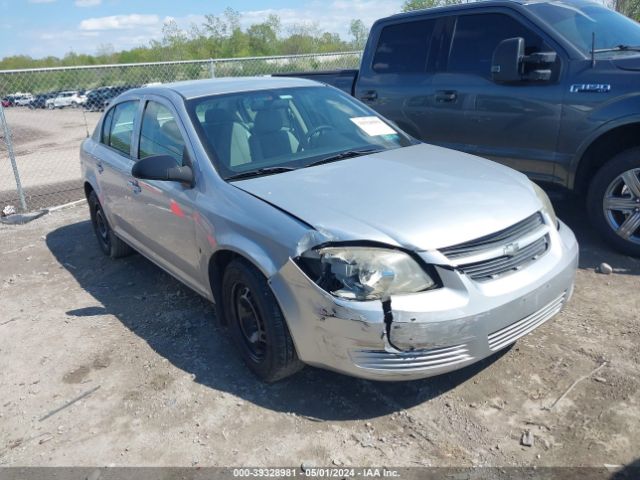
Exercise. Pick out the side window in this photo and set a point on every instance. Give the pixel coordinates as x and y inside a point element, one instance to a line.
<point>476,37</point>
<point>121,132</point>
<point>403,48</point>
<point>106,127</point>
<point>160,134</point>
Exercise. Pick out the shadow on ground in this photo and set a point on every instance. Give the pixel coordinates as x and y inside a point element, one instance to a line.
<point>178,324</point>
<point>593,250</point>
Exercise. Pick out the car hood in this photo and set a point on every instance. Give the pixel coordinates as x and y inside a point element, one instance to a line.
<point>420,197</point>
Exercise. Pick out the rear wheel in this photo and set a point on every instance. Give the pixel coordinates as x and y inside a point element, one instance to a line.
<point>614,201</point>
<point>109,243</point>
<point>256,323</point>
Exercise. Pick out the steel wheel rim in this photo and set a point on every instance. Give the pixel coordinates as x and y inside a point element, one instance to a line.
<point>101,227</point>
<point>249,321</point>
<point>621,205</point>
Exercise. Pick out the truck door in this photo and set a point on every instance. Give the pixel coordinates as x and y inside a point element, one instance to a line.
<point>394,78</point>
<point>514,124</point>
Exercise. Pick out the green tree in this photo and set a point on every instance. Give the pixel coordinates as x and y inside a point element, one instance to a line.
<point>410,5</point>
<point>359,33</point>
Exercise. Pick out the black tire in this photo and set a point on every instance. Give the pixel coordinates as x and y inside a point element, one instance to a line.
<point>108,241</point>
<point>252,312</point>
<point>607,183</point>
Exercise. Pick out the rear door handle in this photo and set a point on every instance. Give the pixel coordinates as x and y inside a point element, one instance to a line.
<point>135,186</point>
<point>369,96</point>
<point>446,96</point>
<point>100,167</point>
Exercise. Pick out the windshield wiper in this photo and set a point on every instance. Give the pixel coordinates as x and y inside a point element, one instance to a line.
<point>618,48</point>
<point>343,155</point>
<point>259,172</point>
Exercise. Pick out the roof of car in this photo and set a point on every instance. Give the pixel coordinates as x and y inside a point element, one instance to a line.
<point>217,86</point>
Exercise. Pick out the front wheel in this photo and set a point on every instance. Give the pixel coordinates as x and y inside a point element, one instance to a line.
<point>613,201</point>
<point>109,243</point>
<point>256,323</point>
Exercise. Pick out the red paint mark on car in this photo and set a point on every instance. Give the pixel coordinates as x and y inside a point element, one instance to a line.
<point>176,209</point>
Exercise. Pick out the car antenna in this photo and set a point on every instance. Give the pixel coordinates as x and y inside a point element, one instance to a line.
<point>593,49</point>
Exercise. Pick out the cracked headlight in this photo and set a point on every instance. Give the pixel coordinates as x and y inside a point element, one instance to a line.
<point>546,204</point>
<point>365,273</point>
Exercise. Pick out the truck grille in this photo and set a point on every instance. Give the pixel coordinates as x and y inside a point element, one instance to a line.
<point>503,252</point>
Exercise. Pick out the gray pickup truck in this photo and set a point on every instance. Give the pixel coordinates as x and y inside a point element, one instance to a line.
<point>550,88</point>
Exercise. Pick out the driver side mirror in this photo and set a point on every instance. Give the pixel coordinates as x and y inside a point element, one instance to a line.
<point>163,168</point>
<point>510,64</point>
<point>507,60</point>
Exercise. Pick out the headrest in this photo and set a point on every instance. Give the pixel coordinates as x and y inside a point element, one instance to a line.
<point>218,115</point>
<point>170,128</point>
<point>268,121</point>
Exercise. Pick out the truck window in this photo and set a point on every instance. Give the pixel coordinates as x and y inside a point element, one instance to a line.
<point>476,37</point>
<point>403,48</point>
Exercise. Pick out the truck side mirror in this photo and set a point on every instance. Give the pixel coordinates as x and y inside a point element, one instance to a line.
<point>507,60</point>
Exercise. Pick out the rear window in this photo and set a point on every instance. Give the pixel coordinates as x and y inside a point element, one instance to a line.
<point>403,48</point>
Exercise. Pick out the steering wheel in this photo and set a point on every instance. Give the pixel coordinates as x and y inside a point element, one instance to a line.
<point>318,130</point>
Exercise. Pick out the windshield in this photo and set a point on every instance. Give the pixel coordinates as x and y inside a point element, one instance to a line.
<point>576,22</point>
<point>268,131</point>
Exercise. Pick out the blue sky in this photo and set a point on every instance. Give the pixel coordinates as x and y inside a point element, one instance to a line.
<point>53,27</point>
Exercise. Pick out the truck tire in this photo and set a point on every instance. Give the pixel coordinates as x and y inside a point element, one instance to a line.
<point>613,201</point>
<point>108,241</point>
<point>256,323</point>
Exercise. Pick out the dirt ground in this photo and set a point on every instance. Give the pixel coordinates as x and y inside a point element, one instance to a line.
<point>157,383</point>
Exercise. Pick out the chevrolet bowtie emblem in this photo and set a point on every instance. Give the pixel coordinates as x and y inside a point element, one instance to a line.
<point>511,249</point>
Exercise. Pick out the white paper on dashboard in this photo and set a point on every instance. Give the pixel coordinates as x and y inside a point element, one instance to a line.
<point>373,126</point>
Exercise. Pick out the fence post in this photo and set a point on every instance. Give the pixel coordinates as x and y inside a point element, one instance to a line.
<point>212,66</point>
<point>12,157</point>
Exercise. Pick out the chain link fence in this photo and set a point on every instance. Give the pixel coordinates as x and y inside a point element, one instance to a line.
<point>46,113</point>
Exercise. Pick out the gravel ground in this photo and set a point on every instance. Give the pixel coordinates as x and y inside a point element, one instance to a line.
<point>107,362</point>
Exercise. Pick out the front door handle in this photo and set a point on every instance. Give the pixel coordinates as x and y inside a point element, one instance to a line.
<point>369,96</point>
<point>446,96</point>
<point>135,186</point>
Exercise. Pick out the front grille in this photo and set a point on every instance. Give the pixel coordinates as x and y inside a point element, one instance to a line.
<point>498,266</point>
<point>415,360</point>
<point>489,257</point>
<point>513,332</point>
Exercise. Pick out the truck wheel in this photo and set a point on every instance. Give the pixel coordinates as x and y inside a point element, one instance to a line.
<point>613,201</point>
<point>256,323</point>
<point>109,243</point>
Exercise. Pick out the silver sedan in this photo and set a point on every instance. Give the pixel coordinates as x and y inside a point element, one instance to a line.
<point>324,234</point>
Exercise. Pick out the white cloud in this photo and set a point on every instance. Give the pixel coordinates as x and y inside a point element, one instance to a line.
<point>334,16</point>
<point>119,22</point>
<point>88,3</point>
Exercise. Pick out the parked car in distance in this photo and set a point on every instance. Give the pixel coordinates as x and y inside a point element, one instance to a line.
<point>324,234</point>
<point>40,100</point>
<point>22,99</point>
<point>7,101</point>
<point>527,92</point>
<point>99,99</point>
<point>70,98</point>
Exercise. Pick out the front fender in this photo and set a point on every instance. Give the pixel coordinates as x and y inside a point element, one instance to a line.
<point>595,135</point>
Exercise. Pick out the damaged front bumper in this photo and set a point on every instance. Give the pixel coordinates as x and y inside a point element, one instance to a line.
<point>431,332</point>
